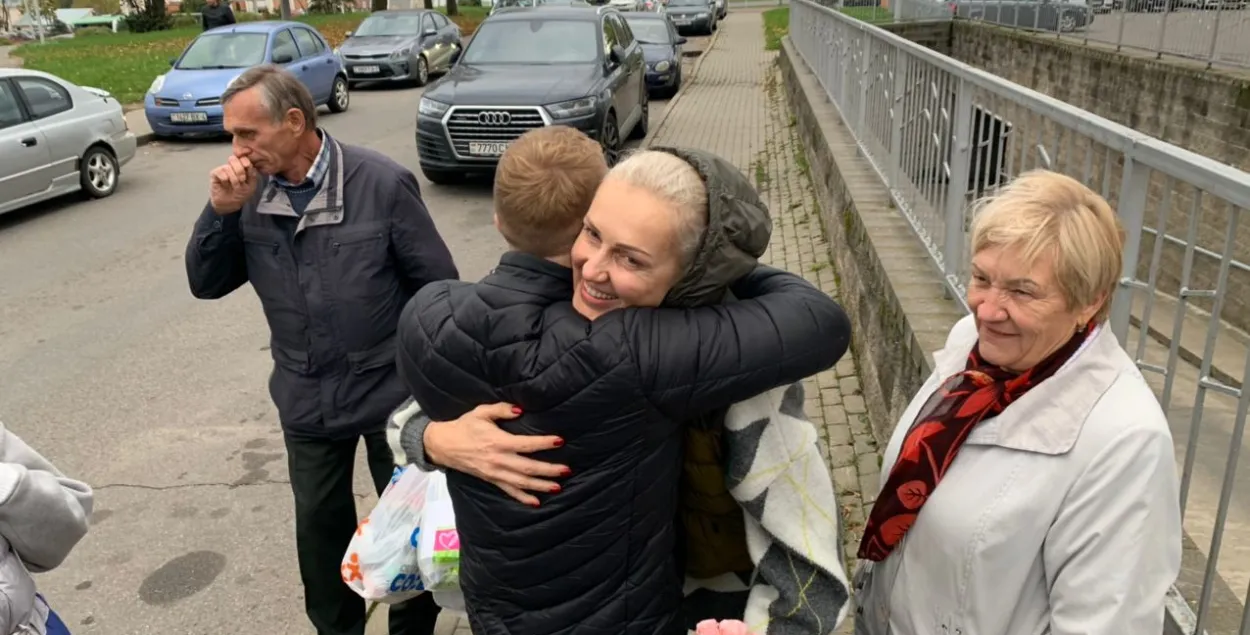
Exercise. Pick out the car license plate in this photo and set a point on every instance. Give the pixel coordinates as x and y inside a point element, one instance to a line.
<point>367,70</point>
<point>188,117</point>
<point>681,20</point>
<point>487,149</point>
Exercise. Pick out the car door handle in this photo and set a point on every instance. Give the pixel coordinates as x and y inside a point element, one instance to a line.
<point>30,142</point>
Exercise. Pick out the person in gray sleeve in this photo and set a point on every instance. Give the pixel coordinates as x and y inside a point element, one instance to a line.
<point>334,239</point>
<point>43,515</point>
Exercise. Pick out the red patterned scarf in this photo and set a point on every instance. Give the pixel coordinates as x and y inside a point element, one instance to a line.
<point>962,401</point>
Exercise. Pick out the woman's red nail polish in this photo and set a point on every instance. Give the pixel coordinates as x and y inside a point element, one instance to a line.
<point>516,410</point>
<point>555,489</point>
<point>566,472</point>
<point>558,442</point>
<point>534,504</point>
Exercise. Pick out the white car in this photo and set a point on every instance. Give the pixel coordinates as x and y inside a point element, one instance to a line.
<point>627,5</point>
<point>56,138</point>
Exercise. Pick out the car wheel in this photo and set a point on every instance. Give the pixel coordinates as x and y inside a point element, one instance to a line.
<point>98,172</point>
<point>640,128</point>
<point>423,71</point>
<point>1067,23</point>
<point>442,177</point>
<point>340,95</point>
<point>610,140</point>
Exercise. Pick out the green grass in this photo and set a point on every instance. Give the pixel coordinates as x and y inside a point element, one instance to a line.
<point>871,15</point>
<point>126,63</point>
<point>776,26</point>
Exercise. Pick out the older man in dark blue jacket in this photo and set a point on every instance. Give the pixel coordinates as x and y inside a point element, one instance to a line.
<point>334,239</point>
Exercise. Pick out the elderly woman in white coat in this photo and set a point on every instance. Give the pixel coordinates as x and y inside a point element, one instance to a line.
<point>1030,486</point>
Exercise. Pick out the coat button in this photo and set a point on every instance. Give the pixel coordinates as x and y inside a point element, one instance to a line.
<point>859,610</point>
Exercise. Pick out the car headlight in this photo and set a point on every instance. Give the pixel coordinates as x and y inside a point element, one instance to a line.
<point>430,108</point>
<point>572,108</point>
<point>157,84</point>
<point>702,14</point>
<point>663,66</point>
<point>401,52</point>
<point>338,53</point>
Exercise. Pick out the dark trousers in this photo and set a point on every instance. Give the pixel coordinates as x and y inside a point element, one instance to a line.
<point>325,519</point>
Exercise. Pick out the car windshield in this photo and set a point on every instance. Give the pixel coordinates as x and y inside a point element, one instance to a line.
<point>394,24</point>
<point>514,3</point>
<point>534,42</point>
<point>224,50</point>
<point>687,3</point>
<point>650,31</point>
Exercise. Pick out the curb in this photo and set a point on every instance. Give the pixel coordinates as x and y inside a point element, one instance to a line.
<point>144,139</point>
<point>672,103</point>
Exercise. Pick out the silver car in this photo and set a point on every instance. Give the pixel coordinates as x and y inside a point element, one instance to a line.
<point>400,46</point>
<point>57,138</point>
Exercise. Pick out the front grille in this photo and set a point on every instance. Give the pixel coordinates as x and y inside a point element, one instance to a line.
<point>162,101</point>
<point>208,101</point>
<point>380,56</point>
<point>487,124</point>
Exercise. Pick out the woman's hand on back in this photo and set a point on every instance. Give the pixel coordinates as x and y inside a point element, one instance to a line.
<point>474,444</point>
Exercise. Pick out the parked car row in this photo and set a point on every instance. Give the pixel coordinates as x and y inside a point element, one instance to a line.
<point>58,138</point>
<point>389,46</point>
<point>594,69</point>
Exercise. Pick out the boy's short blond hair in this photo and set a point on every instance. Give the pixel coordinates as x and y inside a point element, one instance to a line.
<point>543,187</point>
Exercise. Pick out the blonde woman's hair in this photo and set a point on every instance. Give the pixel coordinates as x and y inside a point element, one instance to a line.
<point>1043,212</point>
<point>675,181</point>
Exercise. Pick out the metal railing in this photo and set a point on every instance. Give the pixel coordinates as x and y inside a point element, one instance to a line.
<point>1216,32</point>
<point>941,134</point>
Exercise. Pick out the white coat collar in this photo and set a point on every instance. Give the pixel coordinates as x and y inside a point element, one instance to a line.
<point>1047,419</point>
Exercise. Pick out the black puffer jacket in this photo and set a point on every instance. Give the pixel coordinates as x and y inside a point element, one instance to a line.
<point>598,557</point>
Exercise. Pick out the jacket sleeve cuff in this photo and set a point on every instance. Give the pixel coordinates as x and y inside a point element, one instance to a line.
<point>412,438</point>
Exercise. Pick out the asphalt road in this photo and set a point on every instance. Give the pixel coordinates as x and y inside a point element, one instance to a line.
<point>118,375</point>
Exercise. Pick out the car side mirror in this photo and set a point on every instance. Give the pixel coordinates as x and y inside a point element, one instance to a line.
<point>283,58</point>
<point>617,55</point>
<point>173,60</point>
<point>681,40</point>
<point>347,35</point>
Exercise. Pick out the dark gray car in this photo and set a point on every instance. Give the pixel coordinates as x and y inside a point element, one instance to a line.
<point>697,16</point>
<point>403,46</point>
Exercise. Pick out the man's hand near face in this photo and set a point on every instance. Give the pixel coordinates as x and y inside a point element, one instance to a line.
<point>230,186</point>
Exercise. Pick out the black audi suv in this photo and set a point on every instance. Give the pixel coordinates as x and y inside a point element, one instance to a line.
<point>527,68</point>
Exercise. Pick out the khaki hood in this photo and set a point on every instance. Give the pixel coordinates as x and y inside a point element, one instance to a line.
<point>738,231</point>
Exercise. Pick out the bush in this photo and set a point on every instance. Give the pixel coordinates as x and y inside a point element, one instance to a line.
<point>184,20</point>
<point>92,31</point>
<point>146,21</point>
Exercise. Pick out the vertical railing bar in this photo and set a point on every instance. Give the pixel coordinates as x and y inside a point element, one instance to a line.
<point>1215,34</point>
<point>1163,28</point>
<point>1132,208</point>
<point>961,118</point>
<point>1178,325</point>
<point>1239,425</point>
<point>1156,253</point>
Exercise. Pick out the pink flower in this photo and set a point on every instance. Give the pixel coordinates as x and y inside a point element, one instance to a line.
<point>724,627</point>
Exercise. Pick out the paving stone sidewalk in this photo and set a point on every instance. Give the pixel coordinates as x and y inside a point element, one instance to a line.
<point>735,107</point>
<point>732,105</point>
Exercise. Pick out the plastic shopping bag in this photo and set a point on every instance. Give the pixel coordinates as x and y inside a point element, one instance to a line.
<point>381,560</point>
<point>438,551</point>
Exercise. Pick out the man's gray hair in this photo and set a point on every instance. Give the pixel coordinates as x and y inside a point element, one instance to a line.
<point>280,91</point>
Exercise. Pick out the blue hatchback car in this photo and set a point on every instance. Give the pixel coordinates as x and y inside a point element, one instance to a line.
<point>187,99</point>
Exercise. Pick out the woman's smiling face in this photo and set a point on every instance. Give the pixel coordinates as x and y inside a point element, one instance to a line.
<point>629,250</point>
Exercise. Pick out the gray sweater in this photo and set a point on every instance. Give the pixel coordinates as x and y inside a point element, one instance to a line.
<point>43,514</point>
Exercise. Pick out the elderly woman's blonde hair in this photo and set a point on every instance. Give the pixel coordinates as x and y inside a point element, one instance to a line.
<point>674,181</point>
<point>1047,213</point>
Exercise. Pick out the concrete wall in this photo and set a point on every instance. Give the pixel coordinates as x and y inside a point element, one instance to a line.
<point>888,284</point>
<point>1205,111</point>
